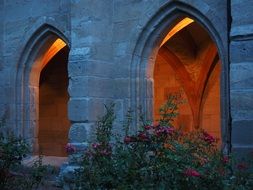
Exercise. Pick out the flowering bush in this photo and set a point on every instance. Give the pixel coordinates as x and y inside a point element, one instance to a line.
<point>158,157</point>
<point>13,175</point>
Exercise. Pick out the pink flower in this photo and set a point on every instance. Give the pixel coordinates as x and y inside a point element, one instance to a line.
<point>70,149</point>
<point>242,166</point>
<point>208,138</point>
<point>95,145</point>
<point>164,130</point>
<point>128,139</point>
<point>191,173</point>
<point>143,137</point>
<point>147,127</point>
<point>88,153</point>
<point>225,159</point>
<point>105,153</point>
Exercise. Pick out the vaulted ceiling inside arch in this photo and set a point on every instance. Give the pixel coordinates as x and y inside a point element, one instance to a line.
<point>188,61</point>
<point>190,45</point>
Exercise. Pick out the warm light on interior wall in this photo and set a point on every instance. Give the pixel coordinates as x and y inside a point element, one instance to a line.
<point>54,49</point>
<point>183,23</point>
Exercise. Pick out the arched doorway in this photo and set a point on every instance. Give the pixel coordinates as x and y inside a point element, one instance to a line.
<point>43,47</point>
<point>53,98</point>
<point>188,63</point>
<point>145,53</point>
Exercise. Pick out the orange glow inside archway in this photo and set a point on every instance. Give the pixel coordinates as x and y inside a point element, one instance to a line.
<point>188,63</point>
<point>179,26</point>
<point>52,51</point>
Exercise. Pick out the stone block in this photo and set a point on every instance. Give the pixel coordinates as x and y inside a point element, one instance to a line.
<point>241,12</point>
<point>98,87</point>
<point>108,87</point>
<point>118,108</point>
<point>125,30</point>
<point>79,132</point>
<point>97,68</point>
<point>103,52</point>
<point>92,46</point>
<point>5,95</point>
<point>128,10</point>
<point>241,100</point>
<point>25,9</point>
<point>241,104</point>
<point>120,48</point>
<point>242,132</point>
<point>239,114</point>
<point>95,108</point>
<point>199,4</point>
<point>78,109</point>
<point>76,67</point>
<point>241,151</point>
<point>67,174</point>
<point>241,51</point>
<point>81,53</point>
<point>78,86</point>
<point>241,32</point>
<point>241,76</point>
<point>94,30</point>
<point>106,69</point>
<point>91,10</point>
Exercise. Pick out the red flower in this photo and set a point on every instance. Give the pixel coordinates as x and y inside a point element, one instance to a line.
<point>147,127</point>
<point>191,173</point>
<point>95,145</point>
<point>128,139</point>
<point>89,153</point>
<point>70,149</point>
<point>242,166</point>
<point>208,138</point>
<point>225,159</point>
<point>164,130</point>
<point>143,137</point>
<point>105,153</point>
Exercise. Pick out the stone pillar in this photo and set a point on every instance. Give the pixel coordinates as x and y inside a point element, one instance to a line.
<point>241,73</point>
<point>89,59</point>
<point>2,98</point>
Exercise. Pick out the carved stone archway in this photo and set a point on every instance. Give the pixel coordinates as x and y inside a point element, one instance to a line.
<point>146,50</point>
<point>45,42</point>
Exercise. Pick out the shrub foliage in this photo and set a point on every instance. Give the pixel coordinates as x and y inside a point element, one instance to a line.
<point>14,175</point>
<point>160,157</point>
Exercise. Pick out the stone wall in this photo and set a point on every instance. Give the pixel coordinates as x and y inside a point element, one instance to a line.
<point>241,69</point>
<point>103,64</point>
<point>21,22</point>
<point>2,97</point>
<point>113,44</point>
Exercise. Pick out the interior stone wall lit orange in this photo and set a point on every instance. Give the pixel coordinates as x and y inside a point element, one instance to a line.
<point>166,82</point>
<point>53,97</point>
<point>210,111</point>
<point>191,50</point>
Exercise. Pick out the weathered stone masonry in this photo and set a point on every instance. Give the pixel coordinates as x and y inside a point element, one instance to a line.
<point>113,45</point>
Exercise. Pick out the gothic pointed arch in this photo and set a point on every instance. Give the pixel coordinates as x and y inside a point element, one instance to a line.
<point>146,49</point>
<point>40,47</point>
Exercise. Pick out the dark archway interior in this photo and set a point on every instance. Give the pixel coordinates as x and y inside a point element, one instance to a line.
<point>53,97</point>
<point>188,63</point>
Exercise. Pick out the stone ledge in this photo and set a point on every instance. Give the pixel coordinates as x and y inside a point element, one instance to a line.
<point>241,33</point>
